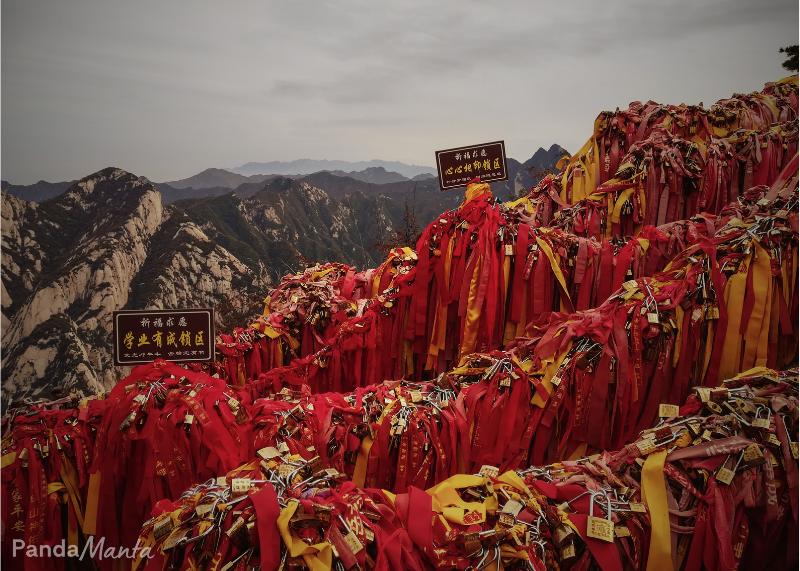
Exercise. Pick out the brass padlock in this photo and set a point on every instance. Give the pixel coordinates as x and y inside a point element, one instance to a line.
<point>268,453</point>
<point>761,421</point>
<point>162,527</point>
<point>506,519</point>
<point>488,471</point>
<point>646,445</point>
<point>724,474</point>
<point>668,410</point>
<point>240,486</point>
<point>563,533</point>
<point>753,455</point>
<point>598,527</point>
<point>630,285</point>
<point>637,507</point>
<point>622,531</point>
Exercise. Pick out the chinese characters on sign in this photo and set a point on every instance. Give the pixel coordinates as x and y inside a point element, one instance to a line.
<point>459,166</point>
<point>174,335</point>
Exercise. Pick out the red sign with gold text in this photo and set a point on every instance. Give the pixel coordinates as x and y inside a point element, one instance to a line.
<point>457,167</point>
<point>171,334</point>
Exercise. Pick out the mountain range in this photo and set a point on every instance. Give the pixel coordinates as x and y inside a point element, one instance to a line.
<point>216,181</point>
<point>309,166</point>
<point>114,240</point>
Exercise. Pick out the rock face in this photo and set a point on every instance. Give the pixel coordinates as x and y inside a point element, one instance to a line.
<point>291,222</point>
<point>107,243</point>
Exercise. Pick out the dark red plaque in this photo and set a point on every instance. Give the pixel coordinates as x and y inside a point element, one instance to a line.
<point>457,167</point>
<point>171,334</point>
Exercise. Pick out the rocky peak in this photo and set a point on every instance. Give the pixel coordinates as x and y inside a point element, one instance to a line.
<point>87,245</point>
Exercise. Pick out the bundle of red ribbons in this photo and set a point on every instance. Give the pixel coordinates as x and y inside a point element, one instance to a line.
<point>303,313</point>
<point>713,485</point>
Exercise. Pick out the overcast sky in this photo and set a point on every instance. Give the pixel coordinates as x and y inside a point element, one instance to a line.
<point>167,88</point>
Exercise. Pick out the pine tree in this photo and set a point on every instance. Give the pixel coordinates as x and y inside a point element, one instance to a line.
<point>791,57</point>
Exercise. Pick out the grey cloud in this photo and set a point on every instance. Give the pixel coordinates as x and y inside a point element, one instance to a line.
<point>169,88</point>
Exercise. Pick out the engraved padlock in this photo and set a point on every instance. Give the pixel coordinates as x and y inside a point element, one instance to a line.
<point>598,527</point>
<point>724,474</point>
<point>763,415</point>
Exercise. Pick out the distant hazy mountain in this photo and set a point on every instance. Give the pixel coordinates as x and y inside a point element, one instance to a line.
<point>522,176</point>
<point>171,194</point>
<point>37,191</point>
<point>308,166</point>
<point>375,175</point>
<point>545,160</point>
<point>210,178</point>
<point>218,182</point>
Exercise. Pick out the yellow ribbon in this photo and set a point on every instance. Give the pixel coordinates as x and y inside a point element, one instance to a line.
<point>654,494</point>
<point>318,557</point>
<point>447,501</point>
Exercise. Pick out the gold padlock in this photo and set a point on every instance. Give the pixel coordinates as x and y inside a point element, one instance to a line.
<point>725,475</point>
<point>646,445</point>
<point>488,471</point>
<point>598,527</point>
<point>563,532</point>
<point>268,453</point>
<point>668,410</point>
<point>759,421</point>
<point>163,527</point>
<point>353,542</point>
<point>637,507</point>
<point>792,444</point>
<point>622,531</point>
<point>240,486</point>
<point>506,519</point>
<point>753,454</point>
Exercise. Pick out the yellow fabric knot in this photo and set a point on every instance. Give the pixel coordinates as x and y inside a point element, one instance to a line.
<point>476,190</point>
